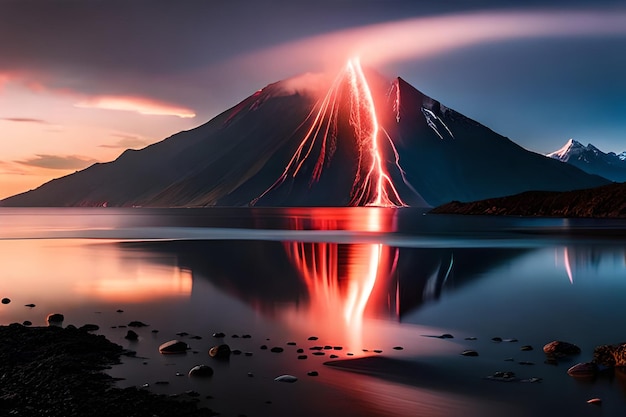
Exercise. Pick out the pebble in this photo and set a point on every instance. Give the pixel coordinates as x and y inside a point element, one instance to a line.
<point>263,347</point>
<point>337,348</point>
<point>119,311</point>
<point>155,331</point>
<point>398,348</point>
<point>90,327</point>
<point>526,348</point>
<point>202,371</point>
<point>312,338</point>
<point>506,376</point>
<point>276,349</point>
<point>301,357</point>
<point>220,351</point>
<point>31,305</point>
<point>196,337</point>
<point>248,353</point>
<point>312,373</point>
<point>513,340</point>
<point>583,370</point>
<point>318,353</point>
<point>236,352</point>
<point>595,401</point>
<point>526,363</point>
<point>316,348</point>
<point>471,338</point>
<point>300,350</point>
<point>6,300</point>
<point>181,334</point>
<point>219,335</point>
<point>496,339</point>
<point>378,351</point>
<point>137,324</point>
<point>291,343</point>
<point>173,347</point>
<point>469,353</point>
<point>333,356</point>
<point>246,336</point>
<point>55,318</point>
<point>560,348</point>
<point>286,378</point>
<point>27,323</point>
<point>250,374</point>
<point>235,336</point>
<point>328,347</point>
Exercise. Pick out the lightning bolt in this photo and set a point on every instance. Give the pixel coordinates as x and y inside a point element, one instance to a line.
<point>372,185</point>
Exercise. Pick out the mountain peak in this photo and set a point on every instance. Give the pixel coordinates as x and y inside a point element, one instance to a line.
<point>592,160</point>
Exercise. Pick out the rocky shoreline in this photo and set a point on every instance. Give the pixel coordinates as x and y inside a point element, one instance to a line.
<point>53,371</point>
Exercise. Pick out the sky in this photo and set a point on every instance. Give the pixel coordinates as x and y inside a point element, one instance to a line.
<point>83,80</point>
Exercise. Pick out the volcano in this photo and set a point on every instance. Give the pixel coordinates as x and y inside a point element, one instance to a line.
<point>355,140</point>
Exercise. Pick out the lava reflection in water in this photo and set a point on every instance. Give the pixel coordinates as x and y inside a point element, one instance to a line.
<point>341,279</point>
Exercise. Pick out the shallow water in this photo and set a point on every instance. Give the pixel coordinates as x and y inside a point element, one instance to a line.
<point>358,278</point>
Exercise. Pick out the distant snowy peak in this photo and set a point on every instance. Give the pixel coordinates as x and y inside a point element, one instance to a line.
<point>572,147</point>
<point>592,160</point>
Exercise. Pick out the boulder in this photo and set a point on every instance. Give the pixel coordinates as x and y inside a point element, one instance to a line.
<point>610,355</point>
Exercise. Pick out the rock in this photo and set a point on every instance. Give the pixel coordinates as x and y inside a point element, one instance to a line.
<point>27,323</point>
<point>378,351</point>
<point>276,349</point>
<point>291,343</point>
<point>312,338</point>
<point>246,336</point>
<point>119,311</point>
<point>301,357</point>
<point>196,337</point>
<point>333,356</point>
<point>6,300</point>
<point>31,305</point>
<point>496,339</point>
<point>131,335</point>
<point>337,347</point>
<point>55,318</point>
<point>154,331</point>
<point>316,348</point>
<point>286,378</point>
<point>560,348</point>
<point>201,371</point>
<point>469,353</point>
<point>318,353</point>
<point>247,353</point>
<point>512,340</point>
<point>507,376</point>
<point>583,370</point>
<point>173,347</point>
<point>181,334</point>
<point>300,350</point>
<point>328,347</point>
<point>220,351</point>
<point>312,373</point>
<point>525,363</point>
<point>595,401</point>
<point>526,348</point>
<point>398,348</point>
<point>250,374</point>
<point>219,335</point>
<point>610,355</point>
<point>471,338</point>
<point>235,336</point>
<point>236,352</point>
<point>137,324</point>
<point>263,347</point>
<point>89,327</point>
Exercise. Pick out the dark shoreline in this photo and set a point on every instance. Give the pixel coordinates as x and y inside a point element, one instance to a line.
<point>54,371</point>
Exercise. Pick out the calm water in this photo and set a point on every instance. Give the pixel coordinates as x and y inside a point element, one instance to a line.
<point>360,278</point>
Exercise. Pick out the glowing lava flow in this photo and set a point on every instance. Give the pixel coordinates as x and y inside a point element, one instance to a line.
<point>372,185</point>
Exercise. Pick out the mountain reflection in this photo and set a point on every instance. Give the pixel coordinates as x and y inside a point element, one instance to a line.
<point>324,280</point>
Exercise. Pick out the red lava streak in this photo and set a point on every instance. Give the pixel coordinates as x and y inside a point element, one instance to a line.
<point>372,185</point>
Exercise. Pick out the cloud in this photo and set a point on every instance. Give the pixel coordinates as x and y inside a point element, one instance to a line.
<point>127,141</point>
<point>141,105</point>
<point>424,37</point>
<point>58,161</point>
<point>24,120</point>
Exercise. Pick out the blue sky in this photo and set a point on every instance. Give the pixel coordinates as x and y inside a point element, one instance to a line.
<point>80,81</point>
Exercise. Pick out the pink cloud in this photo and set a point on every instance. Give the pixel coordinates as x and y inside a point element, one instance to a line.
<point>424,37</point>
<point>141,105</point>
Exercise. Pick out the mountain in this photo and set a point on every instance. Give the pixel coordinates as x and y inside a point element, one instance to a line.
<point>608,201</point>
<point>592,160</point>
<point>355,140</point>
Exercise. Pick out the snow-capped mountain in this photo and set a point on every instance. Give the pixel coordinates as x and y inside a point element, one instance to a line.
<point>592,160</point>
<point>364,140</point>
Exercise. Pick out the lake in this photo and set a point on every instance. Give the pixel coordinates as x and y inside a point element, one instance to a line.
<point>362,280</point>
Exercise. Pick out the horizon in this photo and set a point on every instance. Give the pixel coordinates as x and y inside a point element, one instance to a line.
<point>65,105</point>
